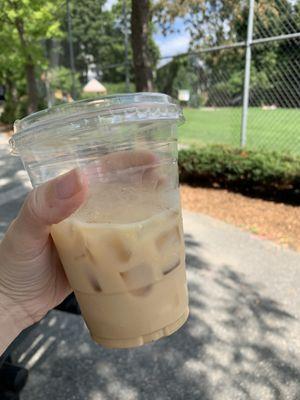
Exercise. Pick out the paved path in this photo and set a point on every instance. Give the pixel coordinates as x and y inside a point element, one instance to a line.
<point>14,184</point>
<point>242,340</point>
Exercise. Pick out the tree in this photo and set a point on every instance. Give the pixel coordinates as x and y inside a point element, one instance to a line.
<point>216,22</point>
<point>98,36</point>
<point>29,22</point>
<point>141,17</point>
<point>98,39</point>
<point>11,75</point>
<point>60,78</point>
<point>220,22</point>
<point>176,75</point>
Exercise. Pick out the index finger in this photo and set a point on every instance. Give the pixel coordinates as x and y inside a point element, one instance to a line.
<point>135,166</point>
<point>127,159</point>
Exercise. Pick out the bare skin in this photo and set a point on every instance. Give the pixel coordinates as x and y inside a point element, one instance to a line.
<point>32,279</point>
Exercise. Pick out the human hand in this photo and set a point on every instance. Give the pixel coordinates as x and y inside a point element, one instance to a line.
<point>32,279</point>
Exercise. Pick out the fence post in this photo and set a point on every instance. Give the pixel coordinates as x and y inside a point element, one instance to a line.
<point>247,74</point>
<point>71,50</point>
<point>124,11</point>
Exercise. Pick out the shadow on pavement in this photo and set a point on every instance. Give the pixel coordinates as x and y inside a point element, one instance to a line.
<point>235,345</point>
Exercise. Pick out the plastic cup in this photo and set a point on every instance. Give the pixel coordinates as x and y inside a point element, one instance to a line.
<point>123,249</point>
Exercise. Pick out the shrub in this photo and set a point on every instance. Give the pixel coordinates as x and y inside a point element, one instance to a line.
<point>266,174</point>
<point>14,110</point>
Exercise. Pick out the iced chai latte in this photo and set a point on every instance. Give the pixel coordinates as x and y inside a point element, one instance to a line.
<point>123,249</point>
<point>123,254</point>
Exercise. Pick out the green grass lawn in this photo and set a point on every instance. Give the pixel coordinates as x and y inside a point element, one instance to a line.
<point>267,129</point>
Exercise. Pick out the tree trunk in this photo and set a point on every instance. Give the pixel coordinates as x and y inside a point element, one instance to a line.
<point>10,105</point>
<point>31,88</point>
<point>140,20</point>
<point>29,70</point>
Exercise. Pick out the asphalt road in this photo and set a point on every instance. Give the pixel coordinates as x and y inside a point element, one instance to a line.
<point>242,339</point>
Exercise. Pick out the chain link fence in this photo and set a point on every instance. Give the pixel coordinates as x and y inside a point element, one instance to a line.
<point>246,92</point>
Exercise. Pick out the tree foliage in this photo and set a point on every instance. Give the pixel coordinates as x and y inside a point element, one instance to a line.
<point>218,22</point>
<point>98,39</point>
<point>25,23</point>
<point>98,36</point>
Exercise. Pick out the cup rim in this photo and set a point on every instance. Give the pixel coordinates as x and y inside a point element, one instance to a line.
<point>102,106</point>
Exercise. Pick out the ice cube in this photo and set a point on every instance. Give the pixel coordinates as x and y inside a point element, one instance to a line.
<point>79,256</point>
<point>139,276</point>
<point>93,281</point>
<point>168,239</point>
<point>90,255</point>
<point>171,267</point>
<point>119,248</point>
<point>144,291</point>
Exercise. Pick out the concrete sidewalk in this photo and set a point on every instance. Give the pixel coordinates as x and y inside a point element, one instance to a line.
<point>242,339</point>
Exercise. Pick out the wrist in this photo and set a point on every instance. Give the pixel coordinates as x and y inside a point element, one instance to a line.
<point>12,321</point>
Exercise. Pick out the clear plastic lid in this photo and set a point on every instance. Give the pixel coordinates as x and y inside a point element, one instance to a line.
<point>101,112</point>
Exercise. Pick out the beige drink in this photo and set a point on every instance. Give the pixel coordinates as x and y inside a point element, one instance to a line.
<point>123,254</point>
<point>123,249</point>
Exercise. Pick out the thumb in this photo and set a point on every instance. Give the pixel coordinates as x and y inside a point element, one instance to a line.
<point>47,204</point>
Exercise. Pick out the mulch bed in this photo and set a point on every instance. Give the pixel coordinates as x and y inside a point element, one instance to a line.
<point>274,221</point>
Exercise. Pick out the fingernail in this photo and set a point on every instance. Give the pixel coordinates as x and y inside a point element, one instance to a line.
<point>68,185</point>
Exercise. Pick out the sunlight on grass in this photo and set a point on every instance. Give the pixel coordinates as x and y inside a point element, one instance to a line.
<point>267,129</point>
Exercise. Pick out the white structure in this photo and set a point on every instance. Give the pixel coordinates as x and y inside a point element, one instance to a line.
<point>94,86</point>
<point>183,95</point>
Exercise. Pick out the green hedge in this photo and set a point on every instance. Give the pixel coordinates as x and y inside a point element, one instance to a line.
<point>269,175</point>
